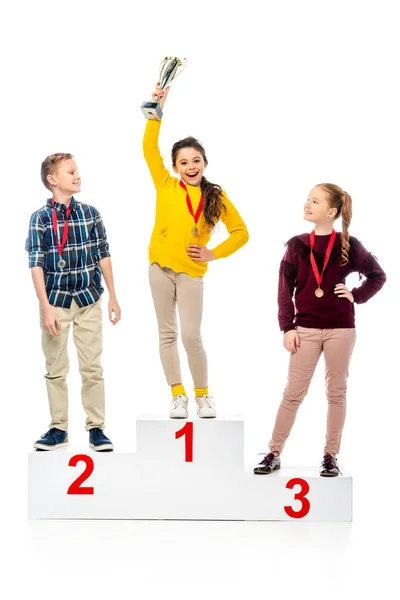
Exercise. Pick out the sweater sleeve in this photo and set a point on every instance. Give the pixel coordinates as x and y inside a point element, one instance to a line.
<point>238,234</point>
<point>366,264</point>
<point>286,286</point>
<point>152,155</point>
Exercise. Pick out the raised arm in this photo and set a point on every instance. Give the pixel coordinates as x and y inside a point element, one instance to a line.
<point>151,150</point>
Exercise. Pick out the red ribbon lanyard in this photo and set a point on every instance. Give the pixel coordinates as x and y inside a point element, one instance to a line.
<point>65,232</point>
<point>189,203</point>
<point>318,276</point>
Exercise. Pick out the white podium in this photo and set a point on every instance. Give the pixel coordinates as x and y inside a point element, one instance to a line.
<point>183,469</point>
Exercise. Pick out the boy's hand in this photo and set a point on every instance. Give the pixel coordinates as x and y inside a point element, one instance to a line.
<point>291,341</point>
<point>160,94</point>
<point>200,253</point>
<point>342,291</point>
<point>51,323</point>
<point>113,307</point>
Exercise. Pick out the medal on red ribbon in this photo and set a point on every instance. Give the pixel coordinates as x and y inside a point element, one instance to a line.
<point>196,216</point>
<point>318,276</point>
<point>61,263</point>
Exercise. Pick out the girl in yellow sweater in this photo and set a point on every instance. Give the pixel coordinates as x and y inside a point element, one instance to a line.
<point>187,211</point>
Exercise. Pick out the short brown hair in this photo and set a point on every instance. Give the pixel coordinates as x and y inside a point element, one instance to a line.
<point>49,166</point>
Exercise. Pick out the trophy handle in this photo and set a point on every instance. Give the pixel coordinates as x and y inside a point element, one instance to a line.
<point>181,64</point>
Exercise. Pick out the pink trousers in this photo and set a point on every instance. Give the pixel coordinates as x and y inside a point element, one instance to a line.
<point>337,346</point>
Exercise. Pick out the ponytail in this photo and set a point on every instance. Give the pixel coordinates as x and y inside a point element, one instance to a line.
<point>213,203</point>
<point>346,213</point>
<point>342,201</point>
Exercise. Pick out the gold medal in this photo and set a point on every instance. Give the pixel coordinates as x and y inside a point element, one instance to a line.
<point>319,293</point>
<point>195,231</point>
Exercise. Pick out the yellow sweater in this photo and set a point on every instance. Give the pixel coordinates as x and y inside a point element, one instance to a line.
<point>173,226</point>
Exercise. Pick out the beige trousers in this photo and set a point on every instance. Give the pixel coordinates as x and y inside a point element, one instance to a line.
<point>87,332</point>
<point>337,346</point>
<point>171,290</point>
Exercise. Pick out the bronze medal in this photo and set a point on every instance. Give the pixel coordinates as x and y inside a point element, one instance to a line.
<point>319,293</point>
<point>318,276</point>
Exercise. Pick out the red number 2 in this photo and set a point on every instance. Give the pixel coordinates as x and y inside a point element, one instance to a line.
<point>187,431</point>
<point>75,487</point>
<point>301,495</point>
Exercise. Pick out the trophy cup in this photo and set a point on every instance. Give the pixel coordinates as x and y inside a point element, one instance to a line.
<point>170,68</point>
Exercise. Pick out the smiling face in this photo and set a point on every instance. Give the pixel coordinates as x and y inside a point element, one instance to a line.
<point>65,178</point>
<point>190,165</point>
<point>317,208</point>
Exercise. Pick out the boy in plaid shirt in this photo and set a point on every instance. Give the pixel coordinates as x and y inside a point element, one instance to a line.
<point>68,253</point>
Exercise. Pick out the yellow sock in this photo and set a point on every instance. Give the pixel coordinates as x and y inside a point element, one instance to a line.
<point>178,389</point>
<point>201,391</point>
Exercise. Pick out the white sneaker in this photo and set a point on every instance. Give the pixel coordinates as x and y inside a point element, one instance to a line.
<point>179,407</point>
<point>205,407</point>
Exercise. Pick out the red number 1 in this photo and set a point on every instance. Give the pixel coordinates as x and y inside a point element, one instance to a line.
<point>301,495</point>
<point>187,431</point>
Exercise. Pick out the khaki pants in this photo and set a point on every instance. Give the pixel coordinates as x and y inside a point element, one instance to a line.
<point>171,290</point>
<point>337,346</point>
<point>87,332</point>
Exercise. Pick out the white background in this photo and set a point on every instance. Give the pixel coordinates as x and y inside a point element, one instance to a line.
<point>283,95</point>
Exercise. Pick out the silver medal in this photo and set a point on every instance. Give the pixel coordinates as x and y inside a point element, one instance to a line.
<point>61,263</point>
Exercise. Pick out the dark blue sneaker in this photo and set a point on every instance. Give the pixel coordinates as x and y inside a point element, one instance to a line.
<point>98,441</point>
<point>53,439</point>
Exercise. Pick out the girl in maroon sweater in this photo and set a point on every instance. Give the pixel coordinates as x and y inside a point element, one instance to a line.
<point>321,317</point>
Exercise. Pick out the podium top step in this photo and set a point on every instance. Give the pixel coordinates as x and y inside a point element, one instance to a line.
<point>193,417</point>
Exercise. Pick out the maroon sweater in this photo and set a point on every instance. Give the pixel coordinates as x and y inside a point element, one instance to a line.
<point>296,276</point>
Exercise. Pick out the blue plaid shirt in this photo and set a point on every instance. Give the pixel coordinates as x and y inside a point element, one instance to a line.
<point>86,245</point>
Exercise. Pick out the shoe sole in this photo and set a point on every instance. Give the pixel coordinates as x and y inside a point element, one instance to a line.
<point>47,448</point>
<point>329,474</point>
<point>267,472</point>
<point>103,448</point>
<point>178,415</point>
<point>207,416</point>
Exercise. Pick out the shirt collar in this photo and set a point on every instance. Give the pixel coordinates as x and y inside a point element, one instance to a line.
<point>60,206</point>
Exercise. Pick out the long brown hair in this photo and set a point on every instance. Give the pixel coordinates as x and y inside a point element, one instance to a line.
<point>212,193</point>
<point>342,201</point>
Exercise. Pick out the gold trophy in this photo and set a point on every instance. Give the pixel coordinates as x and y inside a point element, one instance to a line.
<point>170,68</point>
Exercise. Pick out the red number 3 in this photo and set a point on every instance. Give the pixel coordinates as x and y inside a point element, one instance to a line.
<point>75,487</point>
<point>301,495</point>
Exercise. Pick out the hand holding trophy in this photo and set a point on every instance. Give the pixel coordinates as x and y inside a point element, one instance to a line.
<point>170,68</point>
